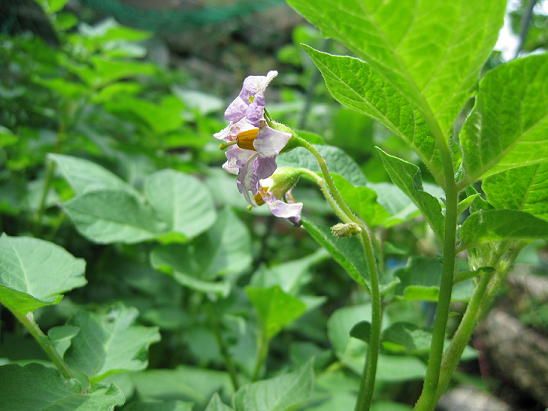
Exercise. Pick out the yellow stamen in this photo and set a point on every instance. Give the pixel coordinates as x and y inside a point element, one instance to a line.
<point>258,199</point>
<point>245,138</point>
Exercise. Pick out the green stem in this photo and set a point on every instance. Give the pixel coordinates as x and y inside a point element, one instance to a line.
<point>231,368</point>
<point>427,400</point>
<point>28,322</point>
<point>50,169</point>
<point>262,353</point>
<point>343,211</point>
<point>367,385</point>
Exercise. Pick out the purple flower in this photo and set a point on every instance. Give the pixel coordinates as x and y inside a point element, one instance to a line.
<point>284,209</point>
<point>254,146</point>
<point>250,103</point>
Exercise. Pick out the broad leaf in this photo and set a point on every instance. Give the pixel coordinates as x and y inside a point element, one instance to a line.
<point>224,250</point>
<point>429,47</point>
<point>275,308</point>
<point>337,160</point>
<point>109,216</point>
<point>35,387</point>
<point>408,178</point>
<point>499,225</point>
<point>84,176</point>
<point>360,87</point>
<point>182,383</point>
<point>395,202</point>
<point>523,188</point>
<point>159,406</point>
<point>285,392</point>
<point>181,201</point>
<point>35,273</point>
<point>108,343</point>
<point>217,405</point>
<point>508,125</point>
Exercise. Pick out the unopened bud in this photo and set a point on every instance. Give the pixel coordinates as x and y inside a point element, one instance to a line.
<point>345,229</point>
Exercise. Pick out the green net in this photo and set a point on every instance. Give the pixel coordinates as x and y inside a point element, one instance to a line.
<point>174,20</point>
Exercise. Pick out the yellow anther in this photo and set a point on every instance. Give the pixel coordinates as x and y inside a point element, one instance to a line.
<point>245,138</point>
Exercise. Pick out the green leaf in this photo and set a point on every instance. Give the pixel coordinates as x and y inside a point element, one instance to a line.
<point>523,188</point>
<point>35,273</point>
<point>498,225</point>
<point>181,201</point>
<point>347,252</point>
<point>360,87</point>
<point>275,308</point>
<point>35,387</point>
<point>420,279</point>
<point>62,336</point>
<point>285,392</point>
<point>363,200</point>
<point>84,176</point>
<point>429,47</point>
<point>109,216</point>
<point>395,202</point>
<point>508,125</point>
<point>337,160</point>
<point>224,250</point>
<point>159,406</point>
<point>109,343</point>
<point>406,338</point>
<point>182,383</point>
<point>217,405</point>
<point>408,178</point>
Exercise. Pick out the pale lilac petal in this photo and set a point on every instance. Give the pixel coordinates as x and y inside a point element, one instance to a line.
<point>265,167</point>
<point>270,142</point>
<point>236,158</point>
<point>224,134</point>
<point>236,110</point>
<point>284,210</point>
<point>250,173</point>
<point>255,111</point>
<point>254,85</point>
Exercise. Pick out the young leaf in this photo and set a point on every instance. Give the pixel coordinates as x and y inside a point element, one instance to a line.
<point>285,392</point>
<point>507,127</point>
<point>275,308</point>
<point>35,387</point>
<point>84,176</point>
<point>109,343</point>
<point>109,216</point>
<point>224,250</point>
<point>499,225</point>
<point>523,188</point>
<point>35,273</point>
<point>407,176</point>
<point>337,160</point>
<point>430,47</point>
<point>181,201</point>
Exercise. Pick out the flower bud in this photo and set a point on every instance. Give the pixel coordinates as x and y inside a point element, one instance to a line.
<point>345,229</point>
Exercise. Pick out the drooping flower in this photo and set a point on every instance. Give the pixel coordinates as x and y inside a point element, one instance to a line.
<point>253,144</point>
<point>275,192</point>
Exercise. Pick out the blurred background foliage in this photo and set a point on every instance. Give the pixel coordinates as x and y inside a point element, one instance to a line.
<point>137,86</point>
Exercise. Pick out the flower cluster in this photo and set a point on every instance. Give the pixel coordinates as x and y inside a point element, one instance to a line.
<point>253,146</point>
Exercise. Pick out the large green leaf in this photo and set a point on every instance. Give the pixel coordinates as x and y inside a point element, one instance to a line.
<point>109,342</point>
<point>275,308</point>
<point>180,200</point>
<point>84,176</point>
<point>435,48</point>
<point>217,405</point>
<point>407,176</point>
<point>285,392</point>
<point>224,250</point>
<point>337,160</point>
<point>508,126</point>
<point>35,387</point>
<point>108,216</point>
<point>35,273</point>
<point>498,225</point>
<point>357,85</point>
<point>159,406</point>
<point>523,188</point>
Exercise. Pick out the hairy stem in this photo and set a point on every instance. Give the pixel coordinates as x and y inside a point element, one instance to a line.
<point>345,213</point>
<point>427,400</point>
<point>45,343</point>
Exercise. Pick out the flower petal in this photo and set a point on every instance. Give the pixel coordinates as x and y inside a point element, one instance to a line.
<point>270,142</point>
<point>236,158</point>
<point>284,210</point>
<point>236,110</point>
<point>254,85</point>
